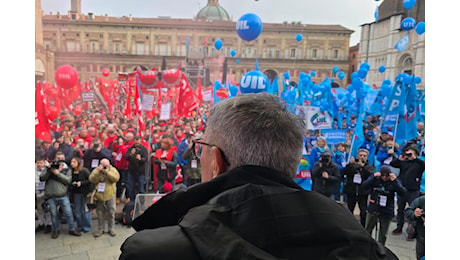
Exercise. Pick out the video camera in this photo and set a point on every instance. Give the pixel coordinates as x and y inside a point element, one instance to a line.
<point>55,164</point>
<point>380,191</point>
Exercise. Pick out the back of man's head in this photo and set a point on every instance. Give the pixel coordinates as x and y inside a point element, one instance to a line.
<point>257,129</point>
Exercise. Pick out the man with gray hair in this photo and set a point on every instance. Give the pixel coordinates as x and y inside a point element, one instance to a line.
<point>248,206</point>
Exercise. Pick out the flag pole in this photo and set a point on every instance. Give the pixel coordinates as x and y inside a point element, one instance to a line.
<point>394,134</point>
<point>351,147</point>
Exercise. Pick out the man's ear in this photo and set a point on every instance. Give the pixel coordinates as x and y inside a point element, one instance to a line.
<point>218,164</point>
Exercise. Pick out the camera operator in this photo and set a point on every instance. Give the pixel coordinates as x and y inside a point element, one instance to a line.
<point>356,172</point>
<point>60,146</point>
<point>136,156</point>
<point>57,179</point>
<point>416,211</point>
<point>384,185</point>
<point>105,177</point>
<point>95,153</point>
<point>325,175</point>
<point>410,175</point>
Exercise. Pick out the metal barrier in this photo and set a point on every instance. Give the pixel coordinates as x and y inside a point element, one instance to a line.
<point>144,201</point>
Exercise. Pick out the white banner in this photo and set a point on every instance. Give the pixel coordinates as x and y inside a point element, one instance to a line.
<point>147,102</point>
<point>317,119</point>
<point>207,95</point>
<point>87,96</point>
<point>165,113</point>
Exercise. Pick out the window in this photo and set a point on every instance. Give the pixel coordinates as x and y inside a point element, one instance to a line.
<point>94,47</point>
<point>353,56</point>
<point>243,53</point>
<point>101,48</point>
<point>110,48</point>
<point>321,52</point>
<point>124,49</point>
<point>286,53</point>
<point>264,53</point>
<point>133,49</point>
<point>271,52</point>
<point>293,53</point>
<point>147,50</point>
<point>94,68</point>
<point>140,49</point>
<point>255,53</point>
<point>299,54</point>
<point>117,48</point>
<point>178,50</point>
<point>169,50</point>
<point>308,54</point>
<point>278,55</point>
<point>336,54</point>
<point>70,46</point>
<point>249,52</point>
<point>162,49</point>
<point>329,52</point>
<point>156,50</point>
<point>315,53</point>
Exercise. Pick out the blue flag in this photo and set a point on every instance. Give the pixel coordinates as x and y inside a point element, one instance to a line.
<point>376,14</point>
<point>412,111</point>
<point>274,86</point>
<point>402,44</point>
<point>358,136</point>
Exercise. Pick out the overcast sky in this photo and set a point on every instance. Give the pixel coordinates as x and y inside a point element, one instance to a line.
<point>348,13</point>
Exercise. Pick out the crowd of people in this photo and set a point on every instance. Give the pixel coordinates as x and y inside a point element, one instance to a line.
<point>91,151</point>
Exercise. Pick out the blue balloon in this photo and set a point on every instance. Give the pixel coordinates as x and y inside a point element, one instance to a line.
<point>335,69</point>
<point>408,24</point>
<point>420,28</point>
<point>362,73</point>
<point>249,27</point>
<point>353,75</point>
<point>408,79</point>
<point>341,75</point>
<point>237,61</point>
<point>298,37</point>
<point>356,83</point>
<point>254,82</point>
<point>385,90</point>
<point>233,53</point>
<point>382,69</point>
<point>408,4</point>
<point>386,82</point>
<point>365,65</point>
<point>313,73</point>
<point>218,44</point>
<point>418,80</point>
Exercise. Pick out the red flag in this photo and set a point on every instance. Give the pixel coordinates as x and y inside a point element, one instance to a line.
<point>42,125</point>
<point>127,111</point>
<point>186,101</point>
<point>138,112</point>
<point>199,91</point>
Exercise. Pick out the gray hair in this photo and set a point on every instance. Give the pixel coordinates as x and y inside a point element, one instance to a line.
<point>257,129</point>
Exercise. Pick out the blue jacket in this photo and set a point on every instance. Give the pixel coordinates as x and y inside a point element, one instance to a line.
<point>340,159</point>
<point>315,154</point>
<point>183,146</point>
<point>383,155</point>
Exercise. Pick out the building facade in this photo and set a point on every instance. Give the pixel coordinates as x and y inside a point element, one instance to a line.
<point>91,43</point>
<point>378,40</point>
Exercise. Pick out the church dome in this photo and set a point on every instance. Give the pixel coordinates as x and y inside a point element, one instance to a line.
<point>213,11</point>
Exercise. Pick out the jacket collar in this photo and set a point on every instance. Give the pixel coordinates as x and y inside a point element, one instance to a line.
<point>170,209</point>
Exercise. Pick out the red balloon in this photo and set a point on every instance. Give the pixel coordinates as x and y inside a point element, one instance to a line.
<point>52,113</point>
<point>105,72</point>
<point>77,110</point>
<point>66,76</point>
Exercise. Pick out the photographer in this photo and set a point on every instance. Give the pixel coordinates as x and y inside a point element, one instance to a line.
<point>136,156</point>
<point>95,153</point>
<point>384,185</point>
<point>105,177</point>
<point>325,175</point>
<point>416,211</point>
<point>57,178</point>
<point>410,175</point>
<point>356,172</point>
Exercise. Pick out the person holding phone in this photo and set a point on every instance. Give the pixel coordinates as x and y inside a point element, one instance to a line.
<point>105,177</point>
<point>410,175</point>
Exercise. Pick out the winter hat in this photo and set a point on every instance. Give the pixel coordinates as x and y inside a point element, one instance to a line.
<point>57,135</point>
<point>385,170</point>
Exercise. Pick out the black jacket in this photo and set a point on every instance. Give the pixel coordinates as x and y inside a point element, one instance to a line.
<point>349,172</point>
<point>65,148</point>
<point>136,166</point>
<point>322,185</point>
<point>91,155</point>
<point>410,172</point>
<point>380,188</point>
<point>249,212</point>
